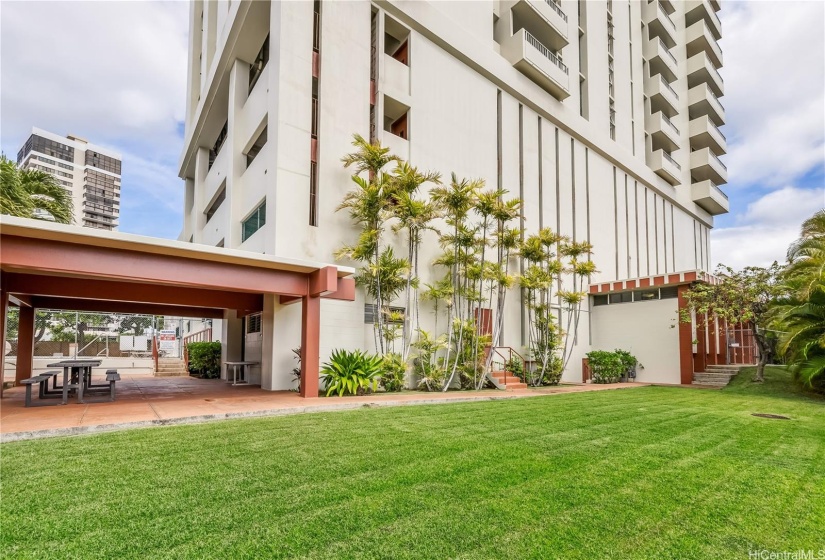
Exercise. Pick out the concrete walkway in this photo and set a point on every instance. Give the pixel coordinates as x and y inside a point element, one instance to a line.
<point>144,401</point>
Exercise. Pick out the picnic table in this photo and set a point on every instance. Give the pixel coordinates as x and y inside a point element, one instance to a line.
<point>77,374</point>
<point>244,380</point>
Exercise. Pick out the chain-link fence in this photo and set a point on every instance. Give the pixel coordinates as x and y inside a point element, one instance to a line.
<point>80,334</point>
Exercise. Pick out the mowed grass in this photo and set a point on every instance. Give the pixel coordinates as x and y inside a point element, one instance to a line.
<point>639,473</point>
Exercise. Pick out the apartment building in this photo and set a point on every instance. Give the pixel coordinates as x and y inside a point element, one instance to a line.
<point>603,116</point>
<point>89,172</point>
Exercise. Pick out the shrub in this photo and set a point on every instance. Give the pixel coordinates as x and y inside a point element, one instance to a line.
<point>431,371</point>
<point>605,367</point>
<point>205,359</point>
<point>629,362</point>
<point>351,373</point>
<point>552,373</point>
<point>394,371</point>
<point>515,367</point>
<point>296,371</point>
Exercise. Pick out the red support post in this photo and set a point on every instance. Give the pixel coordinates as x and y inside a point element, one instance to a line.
<point>685,342</point>
<point>4,304</point>
<point>310,340</point>
<point>25,344</point>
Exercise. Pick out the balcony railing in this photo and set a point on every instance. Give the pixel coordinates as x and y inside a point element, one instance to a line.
<point>668,157</point>
<point>545,51</point>
<point>667,85</point>
<point>557,9</point>
<point>667,16</point>
<point>713,15</point>
<point>716,128</point>
<point>719,161</point>
<point>670,123</point>
<point>717,189</point>
<point>667,50</point>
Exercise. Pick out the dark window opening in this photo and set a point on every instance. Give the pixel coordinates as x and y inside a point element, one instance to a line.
<point>313,194</point>
<point>600,300</point>
<point>216,204</point>
<point>397,41</point>
<point>258,66</point>
<point>396,118</point>
<point>256,148</point>
<point>216,148</point>
<point>253,323</point>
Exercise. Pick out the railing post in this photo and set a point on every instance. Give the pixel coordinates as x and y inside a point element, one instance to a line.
<point>155,351</point>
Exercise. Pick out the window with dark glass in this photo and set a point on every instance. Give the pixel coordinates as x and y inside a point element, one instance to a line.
<point>258,66</point>
<point>216,204</point>
<point>254,222</point>
<point>256,148</point>
<point>216,147</point>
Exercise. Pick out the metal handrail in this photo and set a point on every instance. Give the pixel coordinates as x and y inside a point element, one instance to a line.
<point>668,121</point>
<point>720,191</point>
<point>671,160</point>
<point>667,50</point>
<point>545,51</point>
<point>719,161</point>
<point>713,124</point>
<point>557,9</point>
<point>712,14</point>
<point>667,85</point>
<point>667,16</point>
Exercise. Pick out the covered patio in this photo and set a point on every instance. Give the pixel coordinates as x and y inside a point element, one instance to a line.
<point>54,266</point>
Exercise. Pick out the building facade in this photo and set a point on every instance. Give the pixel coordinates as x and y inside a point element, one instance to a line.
<point>602,116</point>
<point>89,172</point>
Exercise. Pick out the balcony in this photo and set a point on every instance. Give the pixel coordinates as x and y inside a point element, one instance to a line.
<point>660,59</point>
<point>702,9</point>
<point>705,134</point>
<point>666,4</point>
<point>665,166</point>
<point>537,62</point>
<point>544,20</point>
<point>702,101</point>
<point>710,197</point>
<point>700,39</point>
<point>663,98</point>
<point>659,23</point>
<point>663,134</point>
<point>395,79</point>
<point>704,166</point>
<point>700,70</point>
<point>716,5</point>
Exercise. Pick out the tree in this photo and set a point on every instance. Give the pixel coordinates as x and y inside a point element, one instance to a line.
<point>30,193</point>
<point>799,316</point>
<point>739,297</point>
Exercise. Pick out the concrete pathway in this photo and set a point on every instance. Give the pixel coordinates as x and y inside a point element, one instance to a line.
<point>144,401</point>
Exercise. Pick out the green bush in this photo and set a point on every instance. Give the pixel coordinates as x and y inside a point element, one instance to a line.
<point>205,359</point>
<point>351,373</point>
<point>394,370</point>
<point>552,373</point>
<point>515,367</point>
<point>629,362</point>
<point>605,367</point>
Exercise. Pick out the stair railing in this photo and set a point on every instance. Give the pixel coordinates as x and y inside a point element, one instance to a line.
<point>204,335</point>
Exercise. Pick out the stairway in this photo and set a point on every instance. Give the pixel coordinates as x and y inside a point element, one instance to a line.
<point>716,375</point>
<point>507,382</point>
<point>171,367</point>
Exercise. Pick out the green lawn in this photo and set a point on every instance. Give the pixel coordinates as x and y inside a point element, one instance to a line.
<point>652,472</point>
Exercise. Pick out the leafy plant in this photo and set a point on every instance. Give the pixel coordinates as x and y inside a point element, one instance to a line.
<point>605,367</point>
<point>205,359</point>
<point>351,373</point>
<point>430,369</point>
<point>515,367</point>
<point>394,370</point>
<point>296,371</point>
<point>30,193</point>
<point>629,361</point>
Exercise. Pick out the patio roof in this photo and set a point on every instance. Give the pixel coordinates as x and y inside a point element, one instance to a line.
<point>49,265</point>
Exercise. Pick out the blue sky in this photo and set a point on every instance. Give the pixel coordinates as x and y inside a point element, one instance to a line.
<point>129,95</point>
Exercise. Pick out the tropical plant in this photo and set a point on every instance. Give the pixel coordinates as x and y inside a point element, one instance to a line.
<point>31,193</point>
<point>205,359</point>
<point>739,297</point>
<point>605,367</point>
<point>799,316</point>
<point>351,372</point>
<point>515,367</point>
<point>296,371</point>
<point>393,372</point>
<point>629,362</point>
<point>428,366</point>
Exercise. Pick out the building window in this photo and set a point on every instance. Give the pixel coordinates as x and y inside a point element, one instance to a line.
<point>313,194</point>
<point>256,148</point>
<point>599,300</point>
<point>621,297</point>
<point>258,66</point>
<point>216,204</point>
<point>253,323</point>
<point>396,314</point>
<point>216,147</point>
<point>254,222</point>
<point>397,41</point>
<point>396,120</point>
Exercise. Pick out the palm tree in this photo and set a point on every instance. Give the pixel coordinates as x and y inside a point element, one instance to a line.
<point>800,315</point>
<point>29,193</point>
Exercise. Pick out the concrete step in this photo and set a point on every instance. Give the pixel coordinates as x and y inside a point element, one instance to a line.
<point>725,368</point>
<point>513,386</point>
<point>712,378</point>
<point>505,379</point>
<point>170,374</point>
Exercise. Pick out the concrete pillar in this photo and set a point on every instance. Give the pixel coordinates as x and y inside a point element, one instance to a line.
<point>310,337</point>
<point>235,143</point>
<point>4,303</point>
<point>280,334</point>
<point>25,344</point>
<point>231,338</point>
<point>198,220</point>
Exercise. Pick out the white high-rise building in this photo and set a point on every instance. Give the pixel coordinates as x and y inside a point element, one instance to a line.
<point>603,116</point>
<point>90,172</point>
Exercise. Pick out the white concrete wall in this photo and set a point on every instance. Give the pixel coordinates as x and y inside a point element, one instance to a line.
<point>646,329</point>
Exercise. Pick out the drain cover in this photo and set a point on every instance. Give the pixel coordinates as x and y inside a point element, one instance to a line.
<point>775,416</point>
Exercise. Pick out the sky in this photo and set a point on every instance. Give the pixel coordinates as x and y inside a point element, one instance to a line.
<point>115,73</point>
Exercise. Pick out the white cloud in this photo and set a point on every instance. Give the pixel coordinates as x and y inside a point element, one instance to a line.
<point>766,229</point>
<point>774,96</point>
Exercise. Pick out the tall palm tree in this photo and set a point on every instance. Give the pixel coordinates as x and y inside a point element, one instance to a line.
<point>800,315</point>
<point>29,193</point>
